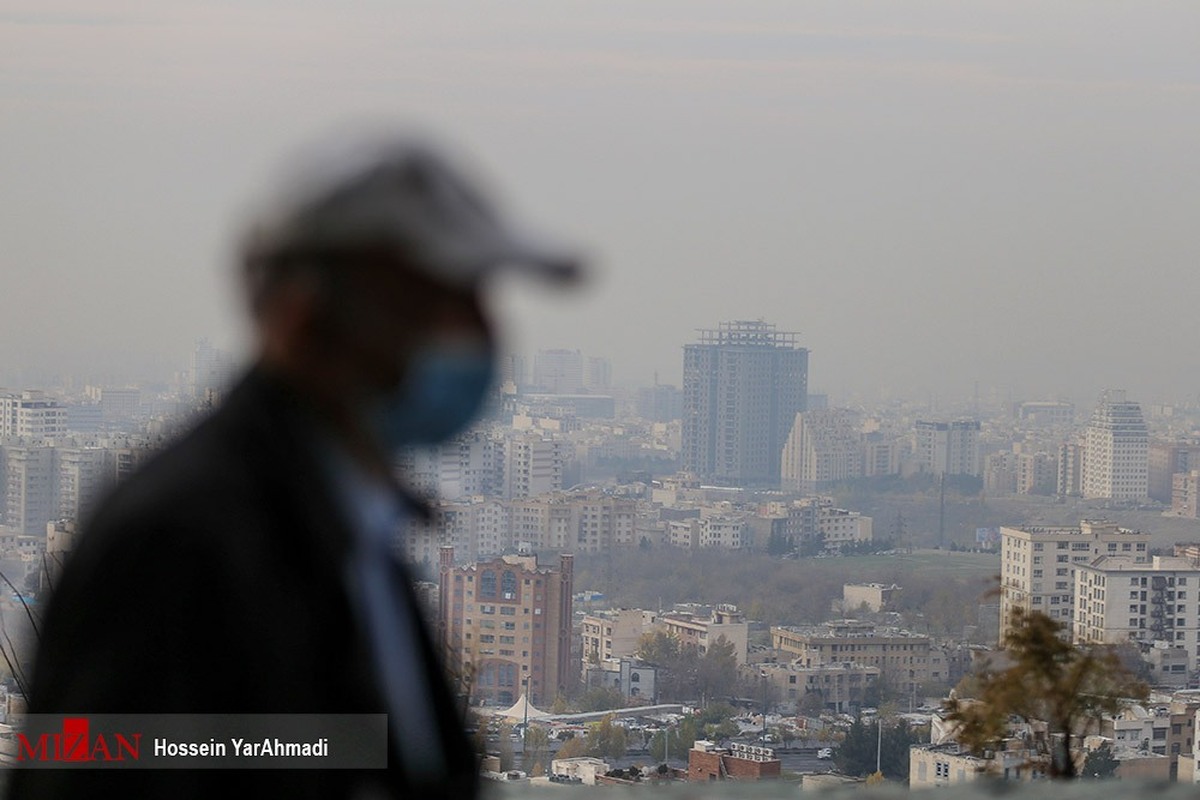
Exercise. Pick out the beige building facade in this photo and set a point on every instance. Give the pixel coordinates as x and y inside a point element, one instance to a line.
<point>1038,564</point>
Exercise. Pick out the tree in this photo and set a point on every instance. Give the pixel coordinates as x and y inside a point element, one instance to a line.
<point>1100,763</point>
<point>812,703</point>
<point>505,748</point>
<point>537,750</point>
<point>716,670</point>
<point>601,698</point>
<point>674,741</point>
<point>574,747</point>
<point>1067,687</point>
<point>812,545</point>
<point>779,543</point>
<point>606,739</point>
<point>864,743</point>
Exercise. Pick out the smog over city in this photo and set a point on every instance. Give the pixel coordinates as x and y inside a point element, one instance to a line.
<point>880,305</point>
<point>933,195</point>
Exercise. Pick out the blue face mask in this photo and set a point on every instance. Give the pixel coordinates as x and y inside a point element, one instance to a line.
<point>443,389</point>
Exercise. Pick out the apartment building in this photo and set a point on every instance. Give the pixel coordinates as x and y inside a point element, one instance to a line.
<point>1116,451</point>
<point>1185,494</point>
<point>701,630</point>
<point>948,448</point>
<point>1120,599</point>
<point>31,415</point>
<point>823,448</point>
<point>841,687</point>
<point>1038,564</point>
<point>612,634</point>
<point>907,659</point>
<point>840,527</point>
<point>505,626</point>
<point>1165,460</point>
<point>743,384</point>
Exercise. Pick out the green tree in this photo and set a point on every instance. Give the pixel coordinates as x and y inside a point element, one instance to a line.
<point>536,756</point>
<point>1100,763</point>
<point>716,713</point>
<point>716,671</point>
<point>856,756</point>
<point>606,739</point>
<point>865,742</point>
<point>601,698</point>
<point>1067,687</point>
<point>779,543</point>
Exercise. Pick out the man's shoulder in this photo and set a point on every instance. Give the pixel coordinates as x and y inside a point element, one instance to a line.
<point>223,466</point>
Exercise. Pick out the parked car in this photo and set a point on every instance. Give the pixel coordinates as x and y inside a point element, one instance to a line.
<point>825,752</point>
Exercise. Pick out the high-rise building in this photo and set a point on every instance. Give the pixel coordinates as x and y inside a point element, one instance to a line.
<point>30,491</point>
<point>458,468</point>
<point>1038,564</point>
<point>743,384</point>
<point>530,464</point>
<point>1119,599</point>
<point>31,415</point>
<point>1185,494</point>
<point>823,448</point>
<point>660,403</point>
<point>1116,451</point>
<point>598,377</point>
<point>948,448</point>
<point>506,627</point>
<point>1165,461</point>
<point>1070,469</point>
<point>210,372</point>
<point>558,371</point>
<point>82,475</point>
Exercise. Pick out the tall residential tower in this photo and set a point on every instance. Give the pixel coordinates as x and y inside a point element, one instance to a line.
<point>743,384</point>
<point>1116,451</point>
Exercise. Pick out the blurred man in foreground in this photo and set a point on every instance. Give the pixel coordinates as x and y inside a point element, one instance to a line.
<point>248,569</point>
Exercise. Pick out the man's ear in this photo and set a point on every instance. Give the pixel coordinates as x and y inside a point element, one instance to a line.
<point>292,320</point>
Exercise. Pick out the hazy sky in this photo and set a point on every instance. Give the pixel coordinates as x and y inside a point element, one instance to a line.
<point>931,193</point>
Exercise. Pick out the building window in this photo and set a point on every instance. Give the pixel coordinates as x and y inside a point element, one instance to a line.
<point>487,584</point>
<point>508,585</point>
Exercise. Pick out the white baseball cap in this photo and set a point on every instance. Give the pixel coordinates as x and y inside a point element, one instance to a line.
<point>398,192</point>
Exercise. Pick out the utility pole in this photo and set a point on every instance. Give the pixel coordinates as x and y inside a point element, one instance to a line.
<point>942,510</point>
<point>525,730</point>
<point>878,744</point>
<point>763,673</point>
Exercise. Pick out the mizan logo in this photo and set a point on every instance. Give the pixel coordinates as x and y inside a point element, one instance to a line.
<point>75,744</point>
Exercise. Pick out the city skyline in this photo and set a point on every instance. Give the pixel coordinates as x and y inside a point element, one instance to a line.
<point>934,196</point>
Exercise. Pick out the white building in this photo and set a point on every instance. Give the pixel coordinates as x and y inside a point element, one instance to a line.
<point>950,448</point>
<point>31,415</point>
<point>1038,564</point>
<point>1119,599</point>
<point>1116,451</point>
<point>823,448</point>
<point>531,464</point>
<point>840,527</point>
<point>82,474</point>
<point>728,530</point>
<point>460,468</point>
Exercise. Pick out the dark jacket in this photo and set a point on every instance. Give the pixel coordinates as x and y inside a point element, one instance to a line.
<point>212,581</point>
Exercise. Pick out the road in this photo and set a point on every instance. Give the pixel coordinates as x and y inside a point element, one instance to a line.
<point>798,759</point>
